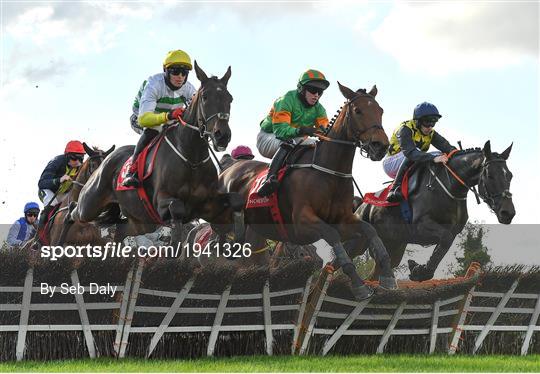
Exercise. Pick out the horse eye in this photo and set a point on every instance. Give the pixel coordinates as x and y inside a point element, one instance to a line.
<point>358,110</point>
<point>205,96</point>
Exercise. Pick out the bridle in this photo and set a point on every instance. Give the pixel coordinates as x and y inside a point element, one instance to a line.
<point>364,146</point>
<point>203,120</point>
<point>202,129</point>
<point>357,143</point>
<point>483,192</point>
<point>491,199</point>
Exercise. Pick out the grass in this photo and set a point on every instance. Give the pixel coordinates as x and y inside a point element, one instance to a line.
<point>378,363</point>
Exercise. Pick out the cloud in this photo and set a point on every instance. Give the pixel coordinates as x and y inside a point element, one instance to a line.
<point>456,36</point>
<point>54,69</point>
<point>48,39</point>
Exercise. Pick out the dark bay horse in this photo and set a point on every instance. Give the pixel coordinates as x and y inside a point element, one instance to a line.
<point>183,185</point>
<point>82,233</point>
<point>439,206</point>
<point>315,195</point>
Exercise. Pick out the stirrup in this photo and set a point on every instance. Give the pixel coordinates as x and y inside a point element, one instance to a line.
<point>395,196</point>
<point>131,181</point>
<point>268,187</point>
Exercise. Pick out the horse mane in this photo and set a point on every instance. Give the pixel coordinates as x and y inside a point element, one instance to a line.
<point>468,151</point>
<point>361,91</point>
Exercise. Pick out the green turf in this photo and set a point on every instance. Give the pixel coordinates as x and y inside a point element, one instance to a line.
<point>379,363</point>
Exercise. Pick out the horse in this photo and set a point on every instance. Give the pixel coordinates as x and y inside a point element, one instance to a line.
<point>439,206</point>
<point>183,185</point>
<point>83,233</point>
<point>314,195</point>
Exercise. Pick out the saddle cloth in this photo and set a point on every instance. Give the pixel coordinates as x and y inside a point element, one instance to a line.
<point>256,201</point>
<point>379,198</point>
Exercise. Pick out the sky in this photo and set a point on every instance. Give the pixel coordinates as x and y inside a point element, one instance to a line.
<point>70,70</point>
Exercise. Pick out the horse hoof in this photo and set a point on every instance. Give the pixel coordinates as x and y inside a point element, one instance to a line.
<point>412,264</point>
<point>388,283</point>
<point>362,292</point>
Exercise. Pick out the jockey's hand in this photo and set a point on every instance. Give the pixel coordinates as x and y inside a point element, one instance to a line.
<point>309,131</point>
<point>64,178</point>
<point>176,113</point>
<point>441,158</point>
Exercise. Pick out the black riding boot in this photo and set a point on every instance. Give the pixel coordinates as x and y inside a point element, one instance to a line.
<point>395,194</point>
<point>131,179</point>
<point>43,216</point>
<point>271,182</point>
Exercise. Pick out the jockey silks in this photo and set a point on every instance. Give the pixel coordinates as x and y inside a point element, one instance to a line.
<point>155,99</point>
<point>288,114</point>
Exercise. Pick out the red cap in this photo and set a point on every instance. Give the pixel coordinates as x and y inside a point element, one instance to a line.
<point>74,146</point>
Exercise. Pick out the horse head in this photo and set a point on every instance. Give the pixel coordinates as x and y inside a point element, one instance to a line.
<point>494,183</point>
<point>95,158</point>
<point>210,108</point>
<point>362,118</point>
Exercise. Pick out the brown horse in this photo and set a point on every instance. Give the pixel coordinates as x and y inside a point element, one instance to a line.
<point>439,206</point>
<point>315,195</point>
<point>183,185</point>
<point>82,233</point>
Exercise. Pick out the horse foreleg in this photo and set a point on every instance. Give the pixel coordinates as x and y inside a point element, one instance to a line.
<point>308,224</point>
<point>176,209</point>
<point>357,227</point>
<point>66,224</point>
<point>226,212</point>
<point>445,239</point>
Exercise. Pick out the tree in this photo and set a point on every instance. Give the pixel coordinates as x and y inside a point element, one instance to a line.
<point>474,250</point>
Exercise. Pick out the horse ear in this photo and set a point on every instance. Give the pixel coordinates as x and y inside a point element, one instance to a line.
<point>373,91</point>
<point>346,91</point>
<point>224,79</point>
<point>89,151</point>
<point>487,149</point>
<point>506,152</point>
<point>109,151</point>
<point>201,75</point>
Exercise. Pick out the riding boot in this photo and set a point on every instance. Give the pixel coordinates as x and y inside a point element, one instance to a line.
<point>131,179</point>
<point>43,217</point>
<point>270,184</point>
<point>395,194</point>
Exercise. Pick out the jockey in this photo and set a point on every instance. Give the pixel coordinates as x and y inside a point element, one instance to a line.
<point>162,99</point>
<point>409,144</point>
<point>293,117</point>
<point>56,179</point>
<point>242,152</point>
<point>25,227</point>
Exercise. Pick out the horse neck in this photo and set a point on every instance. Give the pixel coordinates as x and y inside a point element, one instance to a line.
<point>336,156</point>
<point>468,167</point>
<point>188,140</point>
<point>82,177</point>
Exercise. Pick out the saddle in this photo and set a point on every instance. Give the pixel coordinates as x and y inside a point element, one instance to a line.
<point>271,202</point>
<point>145,166</point>
<point>409,186</point>
<point>46,229</point>
<point>256,201</point>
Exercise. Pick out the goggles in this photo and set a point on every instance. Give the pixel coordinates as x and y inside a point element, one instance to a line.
<point>314,90</point>
<point>177,70</point>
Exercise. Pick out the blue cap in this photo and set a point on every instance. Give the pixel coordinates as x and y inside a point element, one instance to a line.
<point>425,109</point>
<point>31,206</point>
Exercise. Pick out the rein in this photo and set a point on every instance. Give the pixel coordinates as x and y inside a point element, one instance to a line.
<point>356,143</point>
<point>487,197</point>
<point>204,134</point>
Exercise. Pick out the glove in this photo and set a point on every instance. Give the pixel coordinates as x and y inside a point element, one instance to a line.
<point>64,178</point>
<point>309,131</point>
<point>175,113</point>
